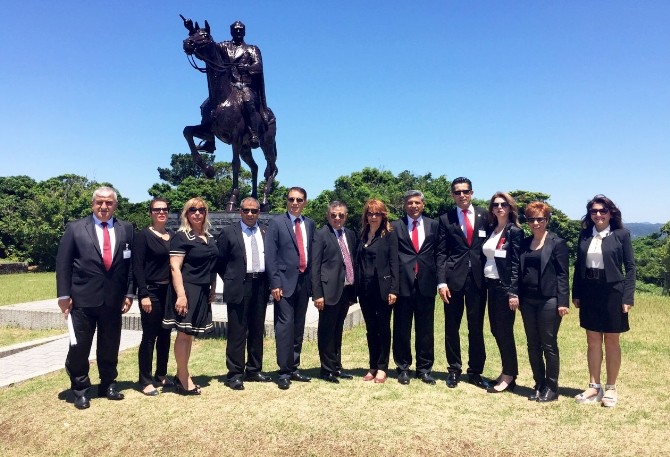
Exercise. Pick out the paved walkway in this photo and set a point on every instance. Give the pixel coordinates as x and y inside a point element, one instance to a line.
<point>35,358</point>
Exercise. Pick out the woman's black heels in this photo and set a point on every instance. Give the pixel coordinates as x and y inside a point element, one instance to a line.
<point>182,390</point>
<point>509,388</point>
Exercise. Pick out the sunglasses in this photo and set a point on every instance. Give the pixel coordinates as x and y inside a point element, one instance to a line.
<point>593,211</point>
<point>249,210</point>
<point>160,210</point>
<point>530,220</point>
<point>500,205</point>
<point>461,192</point>
<point>295,199</point>
<point>369,214</point>
<point>337,215</point>
<point>194,210</point>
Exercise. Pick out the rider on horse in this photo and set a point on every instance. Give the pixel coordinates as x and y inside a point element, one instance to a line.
<point>247,77</point>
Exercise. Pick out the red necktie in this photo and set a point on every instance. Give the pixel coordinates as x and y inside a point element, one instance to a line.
<point>301,246</point>
<point>415,242</point>
<point>468,227</point>
<point>106,247</point>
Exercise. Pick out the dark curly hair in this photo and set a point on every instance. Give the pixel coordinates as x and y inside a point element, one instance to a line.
<point>615,213</point>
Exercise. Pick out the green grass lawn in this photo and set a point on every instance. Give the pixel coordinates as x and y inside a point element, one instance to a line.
<point>26,287</point>
<point>357,418</point>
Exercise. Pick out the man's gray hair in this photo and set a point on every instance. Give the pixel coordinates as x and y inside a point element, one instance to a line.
<point>104,190</point>
<point>335,204</point>
<point>413,193</point>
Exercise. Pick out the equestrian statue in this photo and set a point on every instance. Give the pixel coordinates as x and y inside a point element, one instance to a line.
<point>235,111</point>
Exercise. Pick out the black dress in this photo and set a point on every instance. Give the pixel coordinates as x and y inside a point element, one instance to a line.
<point>198,272</point>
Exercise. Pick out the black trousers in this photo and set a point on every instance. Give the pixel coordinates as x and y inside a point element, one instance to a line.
<point>154,335</point>
<point>541,322</point>
<point>246,326</point>
<point>472,300</point>
<point>501,319</point>
<point>422,310</point>
<point>107,320</point>
<point>377,315</point>
<point>289,322</point>
<point>329,333</point>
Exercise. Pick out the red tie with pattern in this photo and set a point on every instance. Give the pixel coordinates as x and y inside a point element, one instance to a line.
<point>301,246</point>
<point>468,227</point>
<point>106,247</point>
<point>415,242</point>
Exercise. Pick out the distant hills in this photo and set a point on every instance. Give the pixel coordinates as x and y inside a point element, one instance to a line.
<point>642,228</point>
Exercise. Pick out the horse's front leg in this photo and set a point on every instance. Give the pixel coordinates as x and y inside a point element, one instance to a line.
<point>235,191</point>
<point>271,170</point>
<point>197,131</point>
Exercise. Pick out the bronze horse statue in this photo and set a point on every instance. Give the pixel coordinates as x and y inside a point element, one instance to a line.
<point>223,117</point>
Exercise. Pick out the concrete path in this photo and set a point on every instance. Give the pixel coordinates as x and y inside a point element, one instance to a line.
<point>35,358</point>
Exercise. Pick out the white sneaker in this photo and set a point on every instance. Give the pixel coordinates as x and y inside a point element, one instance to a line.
<point>583,399</point>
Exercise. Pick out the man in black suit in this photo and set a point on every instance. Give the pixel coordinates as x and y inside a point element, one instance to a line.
<point>417,252</point>
<point>288,248</point>
<point>462,232</point>
<point>333,291</point>
<point>94,282</point>
<point>241,265</point>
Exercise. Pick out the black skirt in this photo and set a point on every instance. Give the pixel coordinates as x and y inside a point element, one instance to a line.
<point>198,319</point>
<point>601,309</point>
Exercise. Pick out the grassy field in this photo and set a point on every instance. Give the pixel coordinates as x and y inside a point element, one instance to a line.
<point>13,335</point>
<point>356,418</point>
<point>25,287</point>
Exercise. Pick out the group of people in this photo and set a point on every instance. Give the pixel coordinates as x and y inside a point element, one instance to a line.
<point>469,257</point>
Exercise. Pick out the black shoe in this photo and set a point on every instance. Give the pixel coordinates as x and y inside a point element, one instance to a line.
<point>235,384</point>
<point>300,377</point>
<point>508,388</point>
<point>151,393</point>
<point>330,377</point>
<point>164,381</point>
<point>547,395</point>
<point>403,378</point>
<point>477,380</point>
<point>82,402</point>
<point>181,390</point>
<point>111,393</point>
<point>452,379</point>
<point>537,391</point>
<point>284,383</point>
<point>344,374</point>
<point>257,377</point>
<point>427,378</point>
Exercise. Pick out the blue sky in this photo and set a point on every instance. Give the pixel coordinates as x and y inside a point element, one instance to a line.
<point>569,98</point>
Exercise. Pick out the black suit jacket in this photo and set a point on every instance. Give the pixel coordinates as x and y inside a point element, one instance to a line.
<point>281,253</point>
<point>231,264</point>
<point>617,252</point>
<point>328,271</point>
<point>553,267</point>
<point>426,258</point>
<point>454,255</point>
<point>386,265</point>
<point>508,266</point>
<point>80,273</point>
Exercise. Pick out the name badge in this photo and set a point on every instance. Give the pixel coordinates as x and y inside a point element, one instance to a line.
<point>482,234</point>
<point>126,252</point>
<point>501,253</point>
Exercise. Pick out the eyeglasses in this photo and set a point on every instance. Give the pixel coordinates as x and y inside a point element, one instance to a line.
<point>369,214</point>
<point>295,199</point>
<point>337,215</point>
<point>160,210</point>
<point>200,210</point>
<point>249,210</point>
<point>461,192</point>
<point>594,211</point>
<point>530,220</point>
<point>500,205</point>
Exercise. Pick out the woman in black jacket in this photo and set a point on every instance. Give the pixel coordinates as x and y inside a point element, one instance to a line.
<point>603,289</point>
<point>377,284</point>
<point>543,289</point>
<point>501,273</point>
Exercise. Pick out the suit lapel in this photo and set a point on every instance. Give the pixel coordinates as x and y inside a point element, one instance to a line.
<point>90,229</point>
<point>119,234</point>
<point>545,254</point>
<point>239,238</point>
<point>291,232</point>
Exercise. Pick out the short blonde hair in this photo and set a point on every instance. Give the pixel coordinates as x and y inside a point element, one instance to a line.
<point>185,225</point>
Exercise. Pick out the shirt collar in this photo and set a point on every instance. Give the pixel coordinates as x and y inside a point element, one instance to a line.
<point>247,228</point>
<point>110,222</point>
<point>419,221</point>
<point>605,232</point>
<point>293,218</point>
